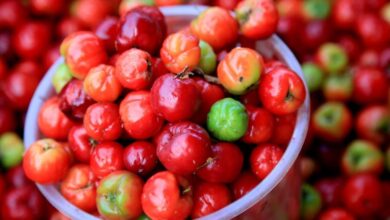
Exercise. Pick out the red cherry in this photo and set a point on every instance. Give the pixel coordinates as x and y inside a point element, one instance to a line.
<point>107,31</point>
<point>283,129</point>
<point>244,184</point>
<point>16,178</point>
<point>30,67</point>
<point>12,13</point>
<point>330,190</point>
<point>47,7</point>
<point>7,119</point>
<point>90,12</point>
<point>140,157</point>
<point>370,85</point>
<point>336,214</point>
<point>264,158</point>
<point>260,126</point>
<point>80,143</point>
<point>373,37</point>
<point>106,158</point>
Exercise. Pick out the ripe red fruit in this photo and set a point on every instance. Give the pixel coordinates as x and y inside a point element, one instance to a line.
<point>7,119</point>
<point>283,129</point>
<point>47,7</point>
<point>140,157</point>
<point>138,117</point>
<point>107,31</point>
<point>133,69</point>
<point>370,86</point>
<point>226,4</point>
<point>12,14</point>
<point>264,158</point>
<point>373,37</point>
<point>260,127</point>
<point>143,27</point>
<point>215,169</point>
<point>52,122</point>
<point>67,26</point>
<point>183,147</point>
<point>244,184</point>
<point>16,178</point>
<point>80,143</point>
<point>330,190</point>
<point>209,197</point>
<point>336,214</point>
<point>106,158</point>
<point>102,121</point>
<point>373,123</point>
<point>174,98</point>
<point>90,12</point>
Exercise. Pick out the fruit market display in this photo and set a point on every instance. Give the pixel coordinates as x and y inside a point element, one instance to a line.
<point>125,68</point>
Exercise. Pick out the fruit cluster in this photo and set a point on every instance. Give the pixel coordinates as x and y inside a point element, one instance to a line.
<point>166,125</point>
<point>345,55</point>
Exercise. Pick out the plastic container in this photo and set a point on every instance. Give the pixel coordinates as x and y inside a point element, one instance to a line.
<point>276,197</point>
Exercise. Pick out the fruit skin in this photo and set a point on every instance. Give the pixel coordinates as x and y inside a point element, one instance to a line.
<point>11,149</point>
<point>143,27</point>
<point>90,12</point>
<point>281,91</point>
<point>12,14</point>
<point>370,86</point>
<point>82,50</point>
<point>258,18</point>
<point>332,58</point>
<point>101,84</point>
<point>338,87</point>
<point>215,168</point>
<point>362,157</point>
<point>375,38</point>
<point>106,31</point>
<point>183,147</point>
<point>240,69</point>
<point>174,98</point>
<point>227,120</point>
<point>260,125</point>
<point>209,197</point>
<point>362,195</point>
<point>140,157</point>
<point>216,27</point>
<point>119,196</point>
<point>78,187</point>
<point>61,77</point>
<point>264,158</point>
<point>314,76</point>
<point>133,69</point>
<point>106,158</point>
<point>80,143</point>
<point>138,117</point>
<point>332,121</point>
<point>180,51</point>
<point>336,214</point>
<point>51,7</point>
<point>52,122</point>
<point>46,161</point>
<point>310,202</point>
<point>208,59</point>
<point>244,184</point>
<point>164,199</point>
<point>102,121</point>
<point>330,190</point>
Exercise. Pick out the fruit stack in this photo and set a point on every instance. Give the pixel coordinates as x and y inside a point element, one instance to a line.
<point>165,124</point>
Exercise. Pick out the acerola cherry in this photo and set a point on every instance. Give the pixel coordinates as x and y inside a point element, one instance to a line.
<point>90,12</point>
<point>175,98</point>
<point>264,158</point>
<point>107,31</point>
<point>336,214</point>
<point>101,84</point>
<point>260,125</point>
<point>47,7</point>
<point>102,121</point>
<point>140,157</point>
<point>183,147</point>
<point>373,123</point>
<point>12,14</point>
<point>377,37</point>
<point>133,69</point>
<point>138,117</point>
<point>180,51</point>
<point>244,184</point>
<point>80,143</point>
<point>217,27</point>
<point>370,85</point>
<point>106,158</point>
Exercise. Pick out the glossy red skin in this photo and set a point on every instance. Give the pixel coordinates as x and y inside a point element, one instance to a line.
<point>7,119</point>
<point>74,101</point>
<point>83,50</point>
<point>164,199</point>
<point>52,122</point>
<point>19,89</point>
<point>102,121</point>
<point>260,18</point>
<point>370,86</point>
<point>180,51</point>
<point>90,12</point>
<point>101,84</point>
<point>264,158</point>
<point>80,143</point>
<point>47,7</point>
<point>140,157</point>
<point>362,195</point>
<point>260,125</point>
<point>217,27</point>
<point>30,67</point>
<point>133,69</point>
<point>24,203</point>
<point>67,26</point>
<point>315,33</point>
<point>138,117</point>
<point>12,14</point>
<point>281,91</point>
<point>175,99</point>
<point>106,158</point>
<point>31,39</point>
<point>107,31</point>
<point>226,4</point>
<point>345,13</point>
<point>158,68</point>
<point>183,147</point>
<point>283,129</point>
<point>16,178</point>
<point>244,184</point>
<point>79,188</point>
<point>336,214</point>
<point>46,161</point>
<point>329,155</point>
<point>210,197</point>
<point>143,27</point>
<point>377,37</point>
<point>330,190</point>
<point>250,98</point>
<point>215,169</point>
<point>273,64</point>
<point>210,93</point>
<point>372,123</point>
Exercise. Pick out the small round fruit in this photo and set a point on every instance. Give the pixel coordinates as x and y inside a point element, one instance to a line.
<point>332,58</point>
<point>264,158</point>
<point>61,77</point>
<point>106,158</point>
<point>140,157</point>
<point>260,125</point>
<point>227,120</point>
<point>208,59</point>
<point>244,184</point>
<point>310,202</point>
<point>314,76</point>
